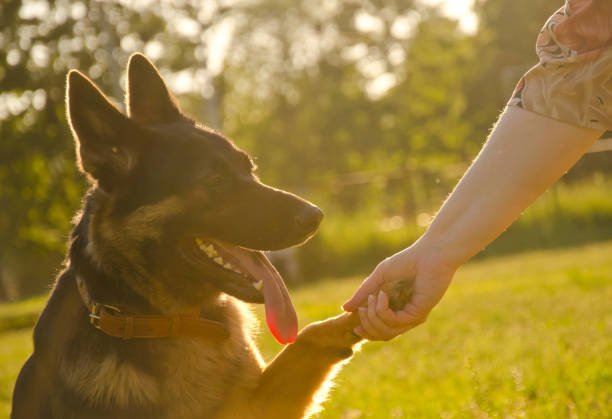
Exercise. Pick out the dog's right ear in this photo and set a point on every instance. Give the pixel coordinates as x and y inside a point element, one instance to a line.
<point>148,100</point>
<point>105,138</point>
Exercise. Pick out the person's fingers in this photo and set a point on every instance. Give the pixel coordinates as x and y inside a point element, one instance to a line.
<point>384,312</point>
<point>367,331</point>
<point>419,306</point>
<point>382,303</point>
<point>371,327</point>
<point>368,328</point>
<point>394,319</point>
<point>410,316</point>
<point>370,285</point>
<point>373,317</point>
<point>381,336</point>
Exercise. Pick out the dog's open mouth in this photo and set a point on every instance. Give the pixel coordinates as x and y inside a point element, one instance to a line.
<point>254,266</point>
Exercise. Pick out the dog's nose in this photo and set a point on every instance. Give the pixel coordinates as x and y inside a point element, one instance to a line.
<point>309,218</point>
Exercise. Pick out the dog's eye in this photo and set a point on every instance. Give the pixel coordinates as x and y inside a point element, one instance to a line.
<point>214,180</point>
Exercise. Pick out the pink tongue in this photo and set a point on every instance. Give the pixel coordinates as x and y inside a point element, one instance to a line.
<point>280,314</point>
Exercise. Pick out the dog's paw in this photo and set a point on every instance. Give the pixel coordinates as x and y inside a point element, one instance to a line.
<point>399,293</point>
<point>334,335</point>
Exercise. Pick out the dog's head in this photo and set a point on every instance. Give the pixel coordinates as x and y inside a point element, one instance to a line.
<point>179,211</point>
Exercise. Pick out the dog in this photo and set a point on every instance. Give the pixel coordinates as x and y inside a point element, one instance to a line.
<point>149,317</point>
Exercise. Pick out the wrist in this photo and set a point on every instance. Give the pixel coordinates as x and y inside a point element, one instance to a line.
<point>442,251</point>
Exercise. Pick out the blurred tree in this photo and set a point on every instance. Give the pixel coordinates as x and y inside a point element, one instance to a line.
<point>367,89</point>
<point>505,42</point>
<point>39,42</point>
<point>365,106</point>
<point>308,75</point>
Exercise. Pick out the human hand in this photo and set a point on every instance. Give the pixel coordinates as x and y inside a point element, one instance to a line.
<point>431,277</point>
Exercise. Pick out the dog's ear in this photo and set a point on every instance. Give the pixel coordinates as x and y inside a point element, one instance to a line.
<point>148,98</point>
<point>105,138</point>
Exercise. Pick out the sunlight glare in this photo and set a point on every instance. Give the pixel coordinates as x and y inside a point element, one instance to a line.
<point>457,9</point>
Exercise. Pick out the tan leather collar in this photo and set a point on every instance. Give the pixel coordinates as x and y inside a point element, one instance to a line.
<point>113,322</point>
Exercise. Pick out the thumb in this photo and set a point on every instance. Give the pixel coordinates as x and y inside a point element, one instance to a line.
<point>370,285</point>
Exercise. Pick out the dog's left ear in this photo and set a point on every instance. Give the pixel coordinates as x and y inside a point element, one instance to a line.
<point>148,99</point>
<point>106,140</point>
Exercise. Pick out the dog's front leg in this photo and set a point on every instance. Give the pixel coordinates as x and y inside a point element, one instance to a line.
<point>289,383</point>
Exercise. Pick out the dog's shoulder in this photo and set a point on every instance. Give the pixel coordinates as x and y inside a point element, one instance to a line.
<point>61,317</point>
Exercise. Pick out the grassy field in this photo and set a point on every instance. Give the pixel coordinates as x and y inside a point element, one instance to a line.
<point>528,335</point>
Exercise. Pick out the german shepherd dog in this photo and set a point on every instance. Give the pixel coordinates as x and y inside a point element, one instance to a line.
<point>148,317</point>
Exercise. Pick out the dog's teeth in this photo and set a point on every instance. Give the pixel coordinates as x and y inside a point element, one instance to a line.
<point>218,260</point>
<point>258,285</point>
<point>210,251</point>
<point>232,268</point>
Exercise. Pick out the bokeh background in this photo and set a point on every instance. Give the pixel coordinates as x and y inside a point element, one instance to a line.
<point>371,109</point>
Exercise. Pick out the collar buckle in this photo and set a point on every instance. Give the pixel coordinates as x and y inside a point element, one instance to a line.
<point>96,313</point>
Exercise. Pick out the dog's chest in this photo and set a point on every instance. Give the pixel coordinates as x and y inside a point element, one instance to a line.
<point>188,378</point>
<point>202,379</point>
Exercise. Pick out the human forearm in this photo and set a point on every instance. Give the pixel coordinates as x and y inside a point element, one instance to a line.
<point>525,154</point>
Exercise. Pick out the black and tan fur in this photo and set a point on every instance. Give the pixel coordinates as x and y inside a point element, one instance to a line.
<point>157,179</point>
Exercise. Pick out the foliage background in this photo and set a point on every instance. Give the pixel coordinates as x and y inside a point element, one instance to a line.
<point>372,109</point>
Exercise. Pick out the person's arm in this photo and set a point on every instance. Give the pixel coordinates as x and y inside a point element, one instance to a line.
<point>524,155</point>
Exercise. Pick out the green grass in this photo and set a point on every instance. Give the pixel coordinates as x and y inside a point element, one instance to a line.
<point>527,335</point>
<point>15,347</point>
<point>21,313</point>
